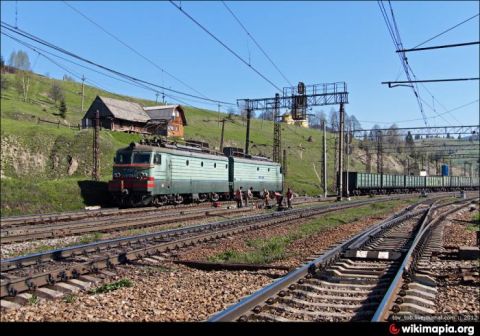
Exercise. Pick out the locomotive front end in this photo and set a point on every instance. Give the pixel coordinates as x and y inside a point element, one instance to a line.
<point>132,183</point>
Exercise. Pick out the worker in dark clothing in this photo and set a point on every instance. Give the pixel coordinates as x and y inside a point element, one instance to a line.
<point>289,198</point>
<point>239,197</point>
<point>279,198</point>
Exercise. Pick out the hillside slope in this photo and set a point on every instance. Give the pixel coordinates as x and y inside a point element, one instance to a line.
<point>46,167</point>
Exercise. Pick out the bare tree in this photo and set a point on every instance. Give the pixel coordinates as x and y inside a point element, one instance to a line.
<point>21,61</point>
<point>56,92</point>
<point>334,120</point>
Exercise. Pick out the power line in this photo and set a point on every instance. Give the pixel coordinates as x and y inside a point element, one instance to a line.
<point>132,49</point>
<point>118,73</point>
<point>255,41</point>
<point>395,35</point>
<point>225,46</point>
<point>430,81</point>
<point>440,46</point>
<point>445,31</point>
<point>404,121</point>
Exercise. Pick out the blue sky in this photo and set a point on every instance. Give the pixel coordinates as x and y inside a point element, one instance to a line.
<point>313,42</point>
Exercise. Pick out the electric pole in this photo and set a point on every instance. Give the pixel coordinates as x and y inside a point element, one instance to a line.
<point>83,90</point>
<point>156,97</point>
<point>247,138</point>
<point>277,131</point>
<point>324,159</point>
<point>341,141</point>
<point>96,159</point>
<point>285,169</point>
<point>221,137</point>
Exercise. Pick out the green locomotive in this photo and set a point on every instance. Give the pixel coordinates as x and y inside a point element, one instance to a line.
<point>172,173</point>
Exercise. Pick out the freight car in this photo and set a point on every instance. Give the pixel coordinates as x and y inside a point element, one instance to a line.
<point>366,183</point>
<point>172,173</point>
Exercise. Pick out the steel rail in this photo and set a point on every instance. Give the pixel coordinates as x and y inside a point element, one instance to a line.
<point>235,311</point>
<point>160,242</point>
<point>428,223</point>
<point>279,286</point>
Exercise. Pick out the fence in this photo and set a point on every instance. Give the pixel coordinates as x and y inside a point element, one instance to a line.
<point>39,120</point>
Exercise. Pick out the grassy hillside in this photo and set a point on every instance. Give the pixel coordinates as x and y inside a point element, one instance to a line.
<point>47,167</point>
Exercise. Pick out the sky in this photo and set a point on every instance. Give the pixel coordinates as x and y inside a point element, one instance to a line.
<point>313,42</point>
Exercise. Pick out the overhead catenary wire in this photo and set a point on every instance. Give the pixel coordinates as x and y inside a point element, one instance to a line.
<point>226,46</point>
<point>118,73</point>
<point>132,49</point>
<point>256,43</point>
<point>395,35</point>
<point>445,31</point>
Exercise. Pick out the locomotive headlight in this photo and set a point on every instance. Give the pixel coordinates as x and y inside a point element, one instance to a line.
<point>117,175</point>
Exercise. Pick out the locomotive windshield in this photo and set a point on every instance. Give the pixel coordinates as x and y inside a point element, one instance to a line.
<point>123,157</point>
<point>141,157</point>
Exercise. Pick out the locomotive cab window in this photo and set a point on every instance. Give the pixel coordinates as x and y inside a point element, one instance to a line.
<point>214,165</point>
<point>187,162</point>
<point>226,166</point>
<point>157,159</point>
<point>280,170</point>
<point>123,157</point>
<point>201,163</point>
<point>141,157</point>
<point>258,168</point>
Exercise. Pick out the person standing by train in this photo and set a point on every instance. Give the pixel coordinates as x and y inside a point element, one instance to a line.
<point>289,198</point>
<point>249,197</point>
<point>239,197</point>
<point>266,197</point>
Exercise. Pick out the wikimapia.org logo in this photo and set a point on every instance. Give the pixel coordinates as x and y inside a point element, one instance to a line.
<point>431,329</point>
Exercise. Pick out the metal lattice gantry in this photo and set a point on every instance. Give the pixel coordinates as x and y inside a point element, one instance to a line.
<point>423,131</point>
<point>297,99</point>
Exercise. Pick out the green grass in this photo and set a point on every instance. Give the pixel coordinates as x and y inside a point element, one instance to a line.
<point>70,298</point>
<point>35,156</point>
<point>33,299</point>
<point>112,286</point>
<point>90,238</point>
<point>263,251</point>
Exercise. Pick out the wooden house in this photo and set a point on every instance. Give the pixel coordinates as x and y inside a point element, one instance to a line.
<point>116,115</point>
<point>167,120</point>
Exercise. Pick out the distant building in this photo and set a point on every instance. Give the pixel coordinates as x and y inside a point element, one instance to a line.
<point>167,120</point>
<point>116,115</point>
<point>287,119</point>
<point>124,116</point>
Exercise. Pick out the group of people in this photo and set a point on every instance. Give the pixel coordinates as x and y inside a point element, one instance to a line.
<point>243,198</point>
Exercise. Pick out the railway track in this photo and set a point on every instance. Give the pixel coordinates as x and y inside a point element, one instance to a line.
<point>15,230</point>
<point>29,232</point>
<point>44,273</point>
<point>15,221</point>
<point>351,282</point>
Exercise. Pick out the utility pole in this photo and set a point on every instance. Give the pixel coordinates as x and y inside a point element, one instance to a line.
<point>347,150</point>
<point>277,131</point>
<point>163,98</point>
<point>83,90</point>
<point>221,137</point>
<point>335,163</point>
<point>379,152</point>
<point>247,138</point>
<point>156,97</point>
<point>324,159</point>
<point>340,154</point>
<point>285,168</point>
<point>368,163</point>
<point>96,159</point>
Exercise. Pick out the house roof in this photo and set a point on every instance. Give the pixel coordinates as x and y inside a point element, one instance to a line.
<point>165,112</point>
<point>125,110</point>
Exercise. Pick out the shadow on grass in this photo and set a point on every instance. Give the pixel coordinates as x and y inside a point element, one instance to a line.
<point>95,193</point>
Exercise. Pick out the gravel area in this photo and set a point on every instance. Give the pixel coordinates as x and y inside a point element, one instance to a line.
<point>16,249</point>
<point>297,251</point>
<point>167,293</point>
<point>457,232</point>
<point>455,297</point>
